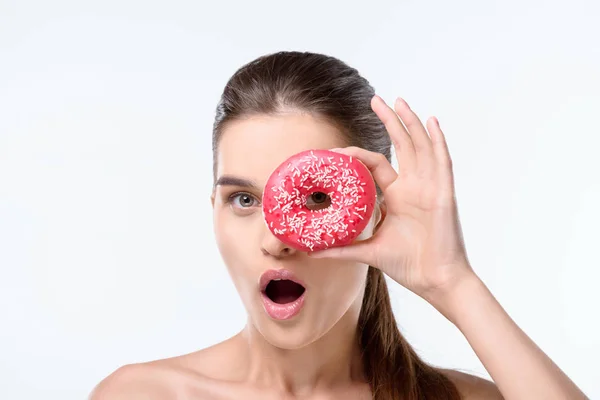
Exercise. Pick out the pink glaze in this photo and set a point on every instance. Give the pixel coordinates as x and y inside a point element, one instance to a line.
<point>347,182</point>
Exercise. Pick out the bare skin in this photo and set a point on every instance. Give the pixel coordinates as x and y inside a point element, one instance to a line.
<point>210,374</point>
<point>414,237</point>
<point>312,356</point>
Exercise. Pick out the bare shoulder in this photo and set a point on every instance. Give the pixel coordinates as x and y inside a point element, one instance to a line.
<point>134,381</point>
<point>189,375</point>
<point>473,387</point>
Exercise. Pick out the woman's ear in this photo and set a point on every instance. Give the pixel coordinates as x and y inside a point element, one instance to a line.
<point>381,211</point>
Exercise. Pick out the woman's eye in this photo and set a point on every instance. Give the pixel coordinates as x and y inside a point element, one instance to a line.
<point>318,201</point>
<point>242,200</point>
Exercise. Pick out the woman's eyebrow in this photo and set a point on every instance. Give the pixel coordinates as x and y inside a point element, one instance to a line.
<point>230,180</point>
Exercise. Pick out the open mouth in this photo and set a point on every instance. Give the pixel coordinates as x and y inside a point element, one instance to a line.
<point>283,291</point>
<point>283,294</point>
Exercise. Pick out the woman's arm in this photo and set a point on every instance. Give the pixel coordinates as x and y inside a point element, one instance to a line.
<point>520,369</point>
<point>418,242</point>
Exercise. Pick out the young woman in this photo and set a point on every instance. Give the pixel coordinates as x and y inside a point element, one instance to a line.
<point>343,342</point>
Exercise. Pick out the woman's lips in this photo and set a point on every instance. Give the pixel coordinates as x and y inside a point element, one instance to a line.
<point>282,311</point>
<point>275,310</point>
<point>274,274</point>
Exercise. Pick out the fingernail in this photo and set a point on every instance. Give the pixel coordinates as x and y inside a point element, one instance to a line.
<point>401,101</point>
<point>379,98</point>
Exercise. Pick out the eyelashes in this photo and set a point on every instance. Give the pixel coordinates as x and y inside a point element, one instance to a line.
<point>234,200</point>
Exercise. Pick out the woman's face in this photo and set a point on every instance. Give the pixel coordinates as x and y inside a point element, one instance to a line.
<point>249,150</point>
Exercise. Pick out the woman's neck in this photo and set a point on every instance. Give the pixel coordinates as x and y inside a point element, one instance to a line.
<point>331,360</point>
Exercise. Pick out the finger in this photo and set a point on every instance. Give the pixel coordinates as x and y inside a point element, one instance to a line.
<point>405,151</point>
<point>361,251</point>
<point>381,169</point>
<point>442,155</point>
<point>419,136</point>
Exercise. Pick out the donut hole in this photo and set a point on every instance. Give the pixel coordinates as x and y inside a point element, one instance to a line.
<point>318,201</point>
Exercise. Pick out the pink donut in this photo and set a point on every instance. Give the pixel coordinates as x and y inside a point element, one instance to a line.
<point>318,199</point>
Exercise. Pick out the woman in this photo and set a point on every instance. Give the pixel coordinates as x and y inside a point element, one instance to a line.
<point>344,343</point>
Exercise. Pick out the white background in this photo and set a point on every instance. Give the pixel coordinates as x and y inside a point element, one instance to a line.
<point>107,255</point>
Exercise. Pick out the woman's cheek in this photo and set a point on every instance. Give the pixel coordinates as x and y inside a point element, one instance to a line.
<point>236,233</point>
<point>225,231</point>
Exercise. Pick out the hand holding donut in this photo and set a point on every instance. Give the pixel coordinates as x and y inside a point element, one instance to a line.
<point>419,243</point>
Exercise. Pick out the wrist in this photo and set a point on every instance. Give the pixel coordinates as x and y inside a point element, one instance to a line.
<point>452,301</point>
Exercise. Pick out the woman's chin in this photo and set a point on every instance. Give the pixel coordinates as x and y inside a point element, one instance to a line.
<point>290,341</point>
<point>291,335</point>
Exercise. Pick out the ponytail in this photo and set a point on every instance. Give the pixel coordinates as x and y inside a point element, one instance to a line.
<point>393,368</point>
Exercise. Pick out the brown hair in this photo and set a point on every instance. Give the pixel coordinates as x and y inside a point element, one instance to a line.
<point>327,87</point>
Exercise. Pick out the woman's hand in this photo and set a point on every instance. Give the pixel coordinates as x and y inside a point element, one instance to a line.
<point>419,242</point>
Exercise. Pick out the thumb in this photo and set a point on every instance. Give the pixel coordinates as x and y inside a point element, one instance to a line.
<point>361,251</point>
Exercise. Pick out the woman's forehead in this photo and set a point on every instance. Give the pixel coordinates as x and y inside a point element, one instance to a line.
<point>254,147</point>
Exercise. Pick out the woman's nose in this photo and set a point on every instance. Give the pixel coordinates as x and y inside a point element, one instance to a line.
<point>275,247</point>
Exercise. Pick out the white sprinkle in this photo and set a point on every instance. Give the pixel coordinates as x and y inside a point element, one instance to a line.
<point>357,214</point>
